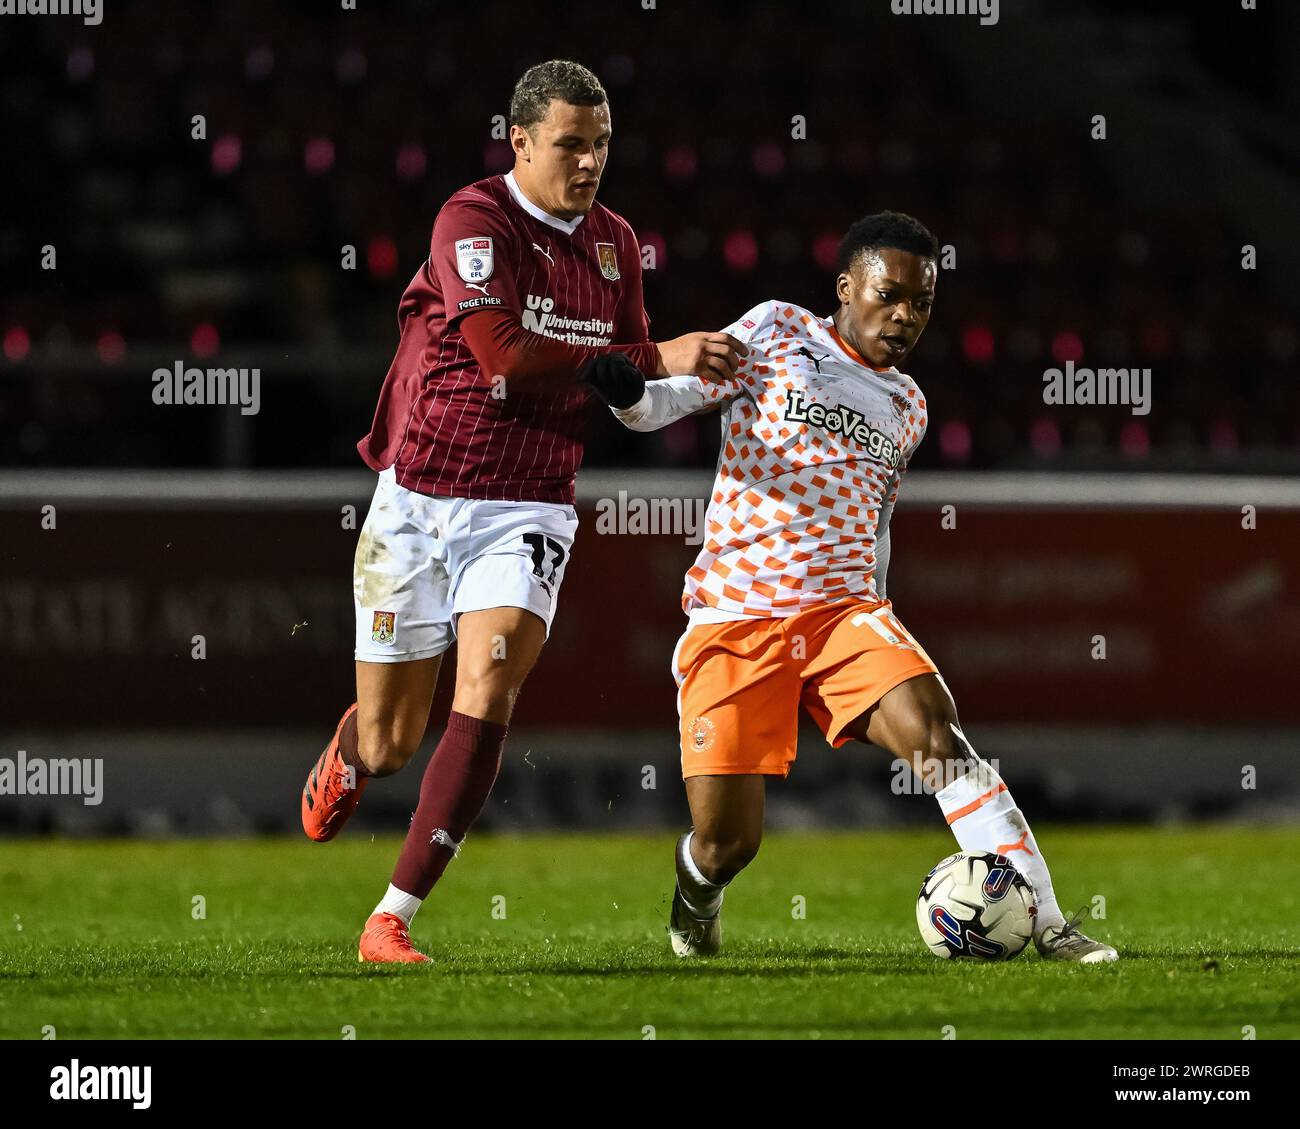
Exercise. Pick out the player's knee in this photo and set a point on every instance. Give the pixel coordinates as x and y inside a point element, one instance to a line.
<point>721,859</point>
<point>384,752</point>
<point>491,696</point>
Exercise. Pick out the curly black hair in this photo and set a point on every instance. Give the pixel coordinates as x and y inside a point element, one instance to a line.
<point>886,229</point>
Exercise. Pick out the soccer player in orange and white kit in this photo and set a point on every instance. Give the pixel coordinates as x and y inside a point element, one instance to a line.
<point>787,599</point>
<point>529,289</point>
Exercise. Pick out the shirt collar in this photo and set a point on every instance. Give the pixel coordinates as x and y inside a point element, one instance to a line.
<point>566,226</point>
<point>829,324</point>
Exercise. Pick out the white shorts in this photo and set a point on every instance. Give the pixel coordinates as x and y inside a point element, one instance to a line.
<point>422,561</point>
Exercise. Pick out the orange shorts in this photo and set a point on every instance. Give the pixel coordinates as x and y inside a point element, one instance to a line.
<point>741,683</point>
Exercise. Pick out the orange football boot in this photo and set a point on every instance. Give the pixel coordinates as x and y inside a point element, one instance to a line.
<point>387,939</point>
<point>332,792</point>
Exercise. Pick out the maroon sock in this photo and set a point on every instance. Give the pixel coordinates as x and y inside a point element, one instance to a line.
<point>455,788</point>
<point>348,745</point>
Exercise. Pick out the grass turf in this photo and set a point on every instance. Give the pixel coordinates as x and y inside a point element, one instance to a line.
<point>100,940</point>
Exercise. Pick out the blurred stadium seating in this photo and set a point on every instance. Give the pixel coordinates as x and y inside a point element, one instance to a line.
<point>329,128</point>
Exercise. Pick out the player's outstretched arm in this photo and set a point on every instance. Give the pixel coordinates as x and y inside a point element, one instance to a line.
<point>502,347</point>
<point>664,401</point>
<point>708,370</point>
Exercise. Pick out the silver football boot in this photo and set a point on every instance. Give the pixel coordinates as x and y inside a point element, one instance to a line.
<point>1066,942</point>
<point>691,935</point>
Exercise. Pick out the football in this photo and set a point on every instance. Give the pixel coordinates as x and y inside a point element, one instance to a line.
<point>977,906</point>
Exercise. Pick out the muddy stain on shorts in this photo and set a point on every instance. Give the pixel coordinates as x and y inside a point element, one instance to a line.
<point>372,567</point>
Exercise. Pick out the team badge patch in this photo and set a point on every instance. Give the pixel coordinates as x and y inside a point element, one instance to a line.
<point>384,628</point>
<point>702,734</point>
<point>899,402</point>
<point>608,260</point>
<point>474,258</point>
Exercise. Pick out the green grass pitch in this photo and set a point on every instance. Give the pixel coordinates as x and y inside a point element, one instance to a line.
<point>101,940</point>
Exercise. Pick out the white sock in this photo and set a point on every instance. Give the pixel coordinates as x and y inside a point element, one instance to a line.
<point>702,897</point>
<point>984,817</point>
<point>399,902</point>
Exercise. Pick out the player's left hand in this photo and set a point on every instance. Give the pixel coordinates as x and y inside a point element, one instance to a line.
<point>614,378</point>
<point>710,356</point>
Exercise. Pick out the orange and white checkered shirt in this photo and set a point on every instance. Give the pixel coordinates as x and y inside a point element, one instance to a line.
<point>814,445</point>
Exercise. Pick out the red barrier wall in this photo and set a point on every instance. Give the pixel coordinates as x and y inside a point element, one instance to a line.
<point>1201,618</point>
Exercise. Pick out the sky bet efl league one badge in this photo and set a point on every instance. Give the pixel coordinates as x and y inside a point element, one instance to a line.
<point>608,260</point>
<point>474,258</point>
<point>384,628</point>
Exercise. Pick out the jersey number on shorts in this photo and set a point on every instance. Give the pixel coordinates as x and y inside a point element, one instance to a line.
<point>544,566</point>
<point>886,626</point>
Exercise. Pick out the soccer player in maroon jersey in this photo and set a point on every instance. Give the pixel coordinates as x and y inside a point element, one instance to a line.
<point>529,302</point>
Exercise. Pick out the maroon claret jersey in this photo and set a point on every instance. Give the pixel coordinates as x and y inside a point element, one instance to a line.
<point>441,421</point>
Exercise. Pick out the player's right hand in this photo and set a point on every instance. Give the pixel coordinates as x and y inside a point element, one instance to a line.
<point>710,356</point>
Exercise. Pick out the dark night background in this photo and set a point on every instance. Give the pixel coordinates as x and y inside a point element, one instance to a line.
<point>328,127</point>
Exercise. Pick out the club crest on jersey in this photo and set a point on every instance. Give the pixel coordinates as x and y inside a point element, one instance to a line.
<point>702,734</point>
<point>474,258</point>
<point>899,403</point>
<point>383,628</point>
<point>608,261</point>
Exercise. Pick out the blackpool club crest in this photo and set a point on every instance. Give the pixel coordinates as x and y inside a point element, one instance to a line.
<point>383,628</point>
<point>608,261</point>
<point>702,734</point>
